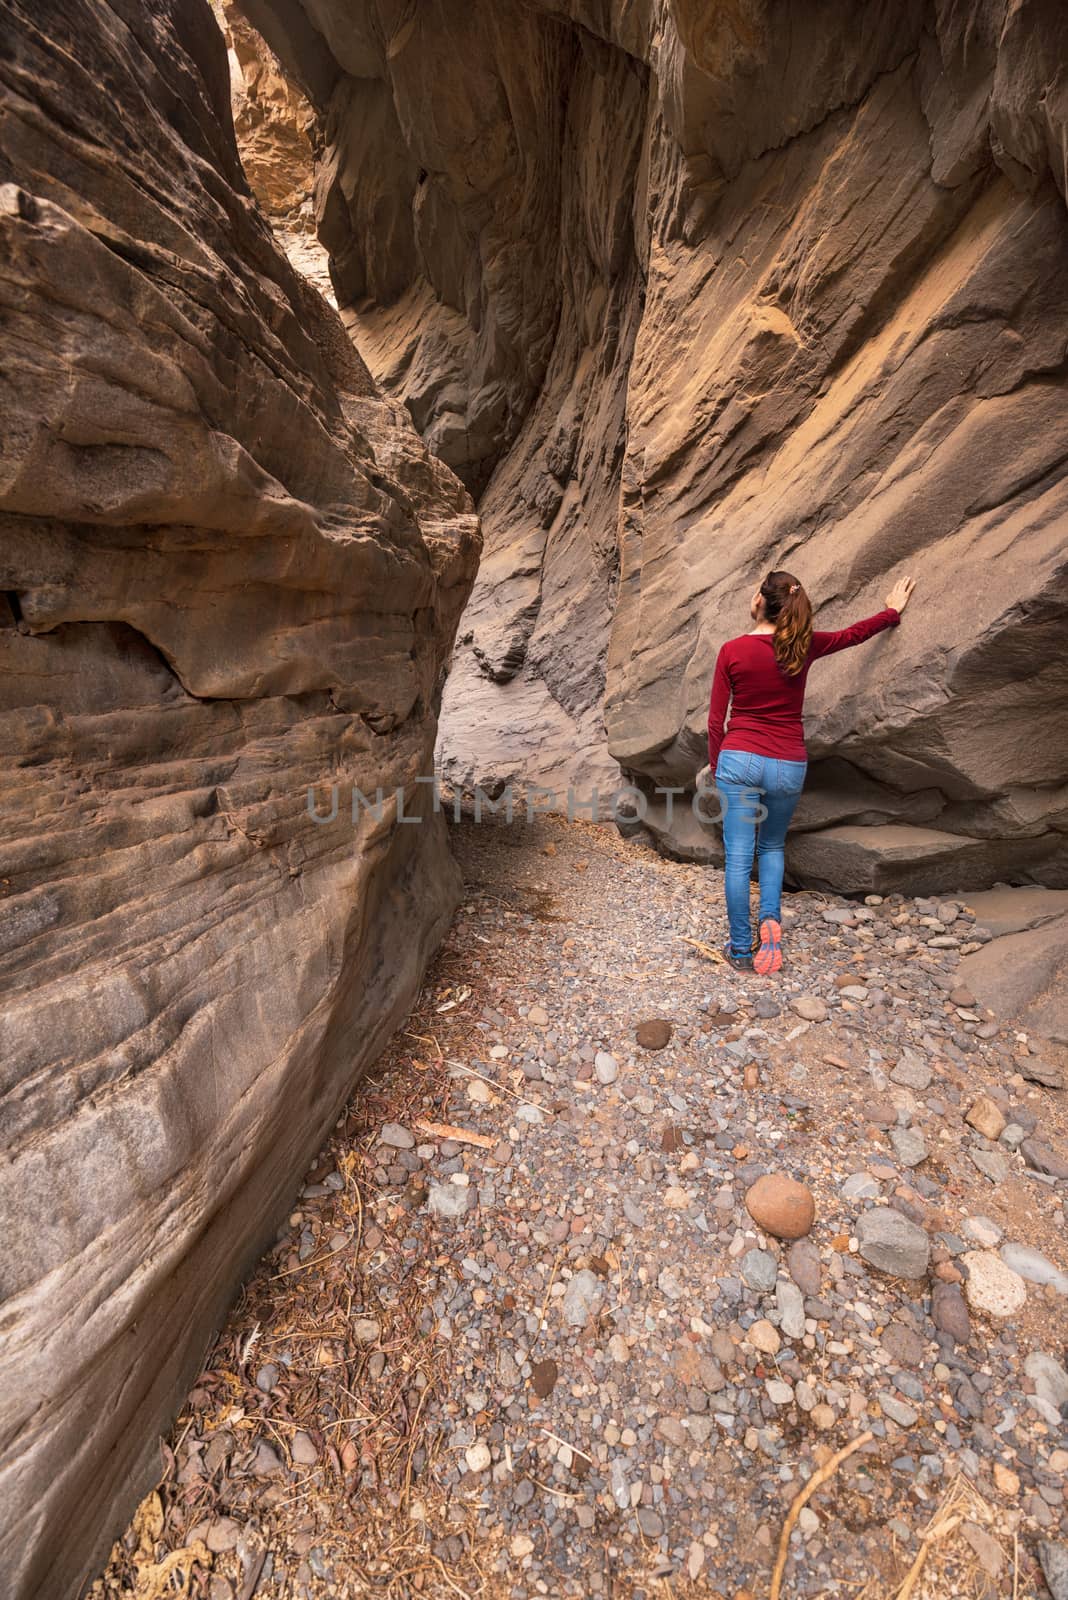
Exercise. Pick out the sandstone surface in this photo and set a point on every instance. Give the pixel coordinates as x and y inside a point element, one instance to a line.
<point>230,571</point>
<point>683,292</point>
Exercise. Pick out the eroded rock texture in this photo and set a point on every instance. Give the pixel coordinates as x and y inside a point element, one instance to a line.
<point>276,129</point>
<point>231,571</point>
<point>685,290</point>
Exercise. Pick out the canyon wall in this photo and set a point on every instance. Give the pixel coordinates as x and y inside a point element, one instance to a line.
<point>685,291</point>
<point>230,571</point>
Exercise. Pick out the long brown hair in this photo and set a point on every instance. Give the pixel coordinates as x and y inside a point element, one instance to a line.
<point>788,606</point>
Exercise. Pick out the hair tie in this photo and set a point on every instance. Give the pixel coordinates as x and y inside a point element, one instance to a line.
<point>794,588</point>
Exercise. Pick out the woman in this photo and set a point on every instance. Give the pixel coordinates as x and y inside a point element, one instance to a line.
<point>762,755</point>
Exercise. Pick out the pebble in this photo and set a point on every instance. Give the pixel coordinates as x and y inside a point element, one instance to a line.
<point>222,1535</point>
<point>1049,1378</point>
<point>860,1186</point>
<point>763,1336</point>
<point>1034,1266</point>
<point>905,1416</point>
<point>810,1007</point>
<point>983,1232</point>
<point>303,1450</point>
<point>1044,1159</point>
<point>949,1312</point>
<point>606,1067</point>
<point>991,1286</point>
<point>909,1146</point>
<point>448,1200</point>
<point>911,1071</point>
<point>478,1456</point>
<point>803,1264</point>
<point>583,1298</point>
<point>397,1137</point>
<point>781,1206</point>
<point>991,1163</point>
<point>985,1117</point>
<point>791,1307</point>
<point>893,1244</point>
<point>1054,1561</point>
<point>759,1270</point>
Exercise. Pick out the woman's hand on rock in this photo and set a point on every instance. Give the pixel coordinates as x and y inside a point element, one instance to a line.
<point>900,594</point>
<point>704,778</point>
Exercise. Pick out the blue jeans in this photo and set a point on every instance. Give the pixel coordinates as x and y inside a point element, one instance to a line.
<point>745,782</point>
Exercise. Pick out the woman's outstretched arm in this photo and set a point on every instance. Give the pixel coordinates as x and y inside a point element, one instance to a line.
<point>827,644</point>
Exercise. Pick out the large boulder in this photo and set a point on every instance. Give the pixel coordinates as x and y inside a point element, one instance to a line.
<point>231,574</point>
<point>683,293</point>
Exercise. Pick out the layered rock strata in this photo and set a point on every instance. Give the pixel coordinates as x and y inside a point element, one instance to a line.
<point>687,291</point>
<point>231,572</point>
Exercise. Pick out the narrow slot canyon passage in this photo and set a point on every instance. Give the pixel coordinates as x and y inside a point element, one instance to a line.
<point>521,1335</point>
<point>408,1197</point>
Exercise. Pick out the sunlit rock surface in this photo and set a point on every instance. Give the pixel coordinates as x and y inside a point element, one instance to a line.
<point>684,291</point>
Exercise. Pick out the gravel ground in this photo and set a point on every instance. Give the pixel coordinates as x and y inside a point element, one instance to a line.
<point>522,1335</point>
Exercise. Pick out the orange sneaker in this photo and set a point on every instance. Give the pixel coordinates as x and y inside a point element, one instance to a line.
<point>768,958</point>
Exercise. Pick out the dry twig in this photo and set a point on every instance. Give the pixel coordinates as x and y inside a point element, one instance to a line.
<point>817,1479</point>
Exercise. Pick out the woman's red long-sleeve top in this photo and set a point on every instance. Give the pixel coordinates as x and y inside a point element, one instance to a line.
<point>766,705</point>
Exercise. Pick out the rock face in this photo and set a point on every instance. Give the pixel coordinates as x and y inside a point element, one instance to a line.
<point>683,292</point>
<point>275,127</point>
<point>231,571</point>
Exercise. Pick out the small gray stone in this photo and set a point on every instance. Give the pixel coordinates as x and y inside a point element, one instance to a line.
<point>810,1007</point>
<point>633,1211</point>
<point>909,1146</point>
<point>222,1535</point>
<point>583,1298</point>
<point>1049,1378</point>
<point>803,1264</point>
<point>265,1461</point>
<point>450,1200</point>
<point>1054,1559</point>
<point>791,1306</point>
<point>605,1067</point>
<point>396,1137</point>
<point>303,1450</point>
<point>911,1071</point>
<point>1034,1266</point>
<point>759,1270</point>
<point>982,1231</point>
<point>893,1244</point>
<point>897,1410</point>
<point>860,1186</point>
<point>992,1164</point>
<point>1043,1158</point>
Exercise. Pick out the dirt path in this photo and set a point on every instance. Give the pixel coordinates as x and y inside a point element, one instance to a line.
<point>551,1353</point>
